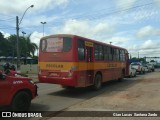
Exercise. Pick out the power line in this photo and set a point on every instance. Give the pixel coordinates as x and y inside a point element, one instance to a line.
<point>8,28</point>
<point>98,15</point>
<point>95,15</point>
<point>9,19</point>
<point>97,12</point>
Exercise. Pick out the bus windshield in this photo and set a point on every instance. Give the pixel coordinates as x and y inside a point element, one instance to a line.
<point>56,44</point>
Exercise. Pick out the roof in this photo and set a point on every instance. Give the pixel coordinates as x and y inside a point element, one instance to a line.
<point>72,35</point>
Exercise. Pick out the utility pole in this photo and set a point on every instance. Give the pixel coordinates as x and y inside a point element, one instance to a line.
<point>17,32</point>
<point>18,53</point>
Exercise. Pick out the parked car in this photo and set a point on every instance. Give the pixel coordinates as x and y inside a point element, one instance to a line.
<point>139,67</point>
<point>151,66</point>
<point>132,71</point>
<point>16,92</point>
<point>146,68</point>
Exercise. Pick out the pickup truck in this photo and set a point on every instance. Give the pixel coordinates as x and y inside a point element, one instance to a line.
<point>139,67</point>
<point>132,71</point>
<point>16,92</point>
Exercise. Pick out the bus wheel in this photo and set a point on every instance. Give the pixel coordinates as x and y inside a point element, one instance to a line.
<point>97,82</point>
<point>21,102</point>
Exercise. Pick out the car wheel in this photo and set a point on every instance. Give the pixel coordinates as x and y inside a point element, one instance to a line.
<point>21,102</point>
<point>97,82</point>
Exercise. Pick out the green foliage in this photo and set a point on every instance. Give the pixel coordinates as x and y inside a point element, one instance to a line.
<point>152,61</point>
<point>4,46</point>
<point>8,46</point>
<point>139,59</point>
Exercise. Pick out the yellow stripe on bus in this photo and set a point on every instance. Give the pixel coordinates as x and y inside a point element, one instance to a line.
<point>79,65</point>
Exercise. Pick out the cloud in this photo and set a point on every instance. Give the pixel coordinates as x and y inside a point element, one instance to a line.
<point>118,40</point>
<point>36,21</point>
<point>150,44</point>
<point>5,34</point>
<point>86,28</point>
<point>149,48</point>
<point>35,37</point>
<point>124,4</point>
<point>18,6</point>
<point>148,31</point>
<point>157,2</point>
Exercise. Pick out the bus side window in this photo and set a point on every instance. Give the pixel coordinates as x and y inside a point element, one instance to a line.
<point>98,52</point>
<point>116,54</point>
<point>122,55</point>
<point>110,52</point>
<point>81,47</point>
<point>105,53</point>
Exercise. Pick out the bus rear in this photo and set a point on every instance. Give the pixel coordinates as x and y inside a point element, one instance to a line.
<point>57,60</point>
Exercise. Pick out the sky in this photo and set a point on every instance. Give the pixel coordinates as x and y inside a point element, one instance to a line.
<point>132,24</point>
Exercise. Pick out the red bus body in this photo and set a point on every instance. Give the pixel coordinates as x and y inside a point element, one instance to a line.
<point>82,60</point>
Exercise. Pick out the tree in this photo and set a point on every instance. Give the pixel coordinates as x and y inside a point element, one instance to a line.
<point>31,47</point>
<point>5,50</point>
<point>26,47</point>
<point>152,61</point>
<point>12,44</point>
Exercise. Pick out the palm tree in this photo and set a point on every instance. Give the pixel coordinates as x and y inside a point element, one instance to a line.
<point>26,47</point>
<point>30,46</point>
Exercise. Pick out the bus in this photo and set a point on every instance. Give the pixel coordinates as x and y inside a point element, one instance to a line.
<point>75,61</point>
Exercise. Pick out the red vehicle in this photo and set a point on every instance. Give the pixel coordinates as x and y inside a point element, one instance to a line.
<point>75,61</point>
<point>16,92</point>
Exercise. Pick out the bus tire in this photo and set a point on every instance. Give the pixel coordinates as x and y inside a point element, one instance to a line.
<point>21,101</point>
<point>97,82</point>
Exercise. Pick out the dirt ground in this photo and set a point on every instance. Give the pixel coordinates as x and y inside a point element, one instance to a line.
<point>141,93</point>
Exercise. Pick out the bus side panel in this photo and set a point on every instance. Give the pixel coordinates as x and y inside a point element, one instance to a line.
<point>110,74</point>
<point>81,79</point>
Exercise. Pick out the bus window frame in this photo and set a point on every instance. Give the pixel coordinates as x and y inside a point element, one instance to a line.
<point>55,52</point>
<point>84,49</point>
<point>100,58</point>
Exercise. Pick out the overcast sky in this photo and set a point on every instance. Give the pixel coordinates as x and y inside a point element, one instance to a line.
<point>132,24</point>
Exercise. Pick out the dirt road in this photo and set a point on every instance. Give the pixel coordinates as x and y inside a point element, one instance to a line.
<point>132,94</point>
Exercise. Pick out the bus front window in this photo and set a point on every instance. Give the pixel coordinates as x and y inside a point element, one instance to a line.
<point>56,44</point>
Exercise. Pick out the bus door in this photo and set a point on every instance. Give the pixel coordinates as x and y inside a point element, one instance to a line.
<point>90,67</point>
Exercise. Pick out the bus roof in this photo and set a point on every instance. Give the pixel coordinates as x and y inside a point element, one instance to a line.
<point>88,39</point>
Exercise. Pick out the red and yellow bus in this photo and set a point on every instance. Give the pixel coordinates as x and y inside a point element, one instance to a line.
<point>75,61</point>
